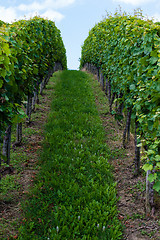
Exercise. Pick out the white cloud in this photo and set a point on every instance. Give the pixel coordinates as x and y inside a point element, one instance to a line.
<point>52,15</point>
<point>49,14</point>
<point>56,4</point>
<point>8,14</point>
<point>31,7</point>
<point>134,2</point>
<point>44,8</point>
<point>156,17</point>
<point>47,4</point>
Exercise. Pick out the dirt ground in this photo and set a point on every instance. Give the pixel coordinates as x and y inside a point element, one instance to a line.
<point>130,190</point>
<point>11,215</point>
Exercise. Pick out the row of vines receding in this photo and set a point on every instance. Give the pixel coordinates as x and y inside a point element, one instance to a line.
<point>30,51</point>
<point>124,51</point>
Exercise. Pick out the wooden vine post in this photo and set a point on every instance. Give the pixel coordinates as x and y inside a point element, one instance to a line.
<point>29,108</point>
<point>150,208</point>
<point>19,134</point>
<point>126,133</point>
<point>7,145</point>
<point>137,149</point>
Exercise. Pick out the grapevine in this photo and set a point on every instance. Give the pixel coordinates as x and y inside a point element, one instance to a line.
<point>126,50</point>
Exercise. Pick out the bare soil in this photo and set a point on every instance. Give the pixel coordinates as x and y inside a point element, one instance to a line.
<point>130,189</point>
<point>11,215</point>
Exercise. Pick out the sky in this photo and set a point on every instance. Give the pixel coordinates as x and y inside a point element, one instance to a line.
<point>74,18</point>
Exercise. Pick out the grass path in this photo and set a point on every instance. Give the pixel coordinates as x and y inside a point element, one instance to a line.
<point>74,194</point>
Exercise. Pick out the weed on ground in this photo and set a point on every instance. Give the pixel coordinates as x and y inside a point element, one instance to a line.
<point>74,195</point>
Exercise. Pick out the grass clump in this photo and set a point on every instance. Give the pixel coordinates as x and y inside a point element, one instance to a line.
<point>8,186</point>
<point>74,195</point>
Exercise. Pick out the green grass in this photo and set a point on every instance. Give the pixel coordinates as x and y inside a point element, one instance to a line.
<point>8,186</point>
<point>74,195</point>
<point>12,185</point>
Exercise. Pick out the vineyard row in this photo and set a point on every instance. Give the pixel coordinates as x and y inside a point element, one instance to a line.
<point>124,52</point>
<point>31,50</point>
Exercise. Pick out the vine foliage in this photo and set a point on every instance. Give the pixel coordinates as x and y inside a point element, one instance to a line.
<point>29,50</point>
<point>126,49</point>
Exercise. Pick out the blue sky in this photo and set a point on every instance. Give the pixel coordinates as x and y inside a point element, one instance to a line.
<point>74,17</point>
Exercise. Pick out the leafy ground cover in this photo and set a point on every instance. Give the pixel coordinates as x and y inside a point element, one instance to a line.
<point>25,166</point>
<point>131,190</point>
<point>18,177</point>
<point>74,195</point>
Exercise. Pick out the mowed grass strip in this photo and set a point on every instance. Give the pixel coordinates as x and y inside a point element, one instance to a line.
<point>74,195</point>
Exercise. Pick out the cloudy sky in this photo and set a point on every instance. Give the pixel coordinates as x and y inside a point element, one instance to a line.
<point>74,17</point>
